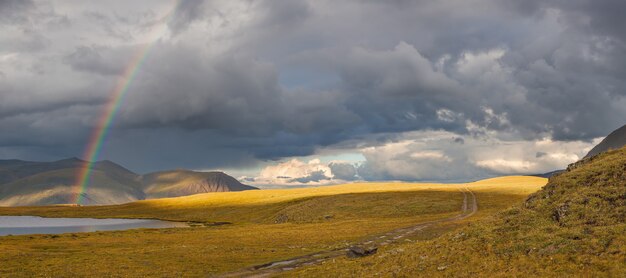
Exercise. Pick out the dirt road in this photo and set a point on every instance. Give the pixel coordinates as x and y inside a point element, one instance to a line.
<point>469,208</point>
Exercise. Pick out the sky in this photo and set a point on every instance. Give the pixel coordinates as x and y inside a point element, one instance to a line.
<point>297,93</point>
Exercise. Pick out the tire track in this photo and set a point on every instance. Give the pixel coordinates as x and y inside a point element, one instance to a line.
<point>468,208</point>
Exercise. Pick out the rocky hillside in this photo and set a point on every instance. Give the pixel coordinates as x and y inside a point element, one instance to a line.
<point>28,183</point>
<point>613,141</point>
<point>184,182</point>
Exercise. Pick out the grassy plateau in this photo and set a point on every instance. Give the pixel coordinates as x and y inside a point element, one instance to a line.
<point>265,226</point>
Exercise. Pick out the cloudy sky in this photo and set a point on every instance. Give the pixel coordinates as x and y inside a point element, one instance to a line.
<point>288,92</point>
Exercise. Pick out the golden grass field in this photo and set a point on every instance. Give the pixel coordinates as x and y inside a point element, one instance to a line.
<point>267,225</point>
<point>575,226</point>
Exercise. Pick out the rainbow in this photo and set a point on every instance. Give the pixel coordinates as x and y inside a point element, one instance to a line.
<point>99,134</point>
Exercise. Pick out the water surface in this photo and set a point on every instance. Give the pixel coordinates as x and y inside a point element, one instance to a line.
<point>23,225</point>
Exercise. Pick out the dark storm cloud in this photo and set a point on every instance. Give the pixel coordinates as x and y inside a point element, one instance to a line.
<point>603,16</point>
<point>382,90</point>
<point>233,82</point>
<point>233,94</point>
<point>26,41</point>
<point>200,149</point>
<point>15,11</point>
<point>315,176</point>
<point>22,24</point>
<point>343,171</point>
<point>398,90</point>
<point>100,60</point>
<point>279,15</point>
<point>110,24</point>
<point>196,91</point>
<point>186,13</point>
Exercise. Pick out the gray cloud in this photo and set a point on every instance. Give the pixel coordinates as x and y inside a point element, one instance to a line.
<point>100,60</point>
<point>186,13</point>
<point>15,11</point>
<point>343,171</point>
<point>235,83</point>
<point>431,156</point>
<point>316,176</point>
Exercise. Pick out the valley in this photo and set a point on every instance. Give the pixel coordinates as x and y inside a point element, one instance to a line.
<point>312,138</point>
<point>265,226</point>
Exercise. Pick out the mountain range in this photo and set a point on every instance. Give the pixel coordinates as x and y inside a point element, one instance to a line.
<point>29,183</point>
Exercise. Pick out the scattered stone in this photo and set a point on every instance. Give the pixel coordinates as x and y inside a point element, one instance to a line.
<point>560,212</point>
<point>358,251</point>
<point>281,219</point>
<point>442,268</point>
<point>459,235</point>
<point>327,217</point>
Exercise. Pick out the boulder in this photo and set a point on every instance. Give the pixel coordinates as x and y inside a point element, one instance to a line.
<point>358,251</point>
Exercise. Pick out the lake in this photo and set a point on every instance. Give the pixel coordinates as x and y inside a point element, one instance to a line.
<point>24,225</point>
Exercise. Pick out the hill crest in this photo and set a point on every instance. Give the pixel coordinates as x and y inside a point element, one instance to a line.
<point>615,140</point>
<point>28,183</point>
<point>175,183</point>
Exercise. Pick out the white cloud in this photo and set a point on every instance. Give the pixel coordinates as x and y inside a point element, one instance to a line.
<point>432,156</point>
<point>438,156</point>
<point>298,172</point>
<point>507,166</point>
<point>447,115</point>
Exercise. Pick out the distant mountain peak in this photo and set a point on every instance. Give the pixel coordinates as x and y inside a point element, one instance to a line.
<point>69,160</point>
<point>106,162</point>
<point>46,183</point>
<point>183,182</point>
